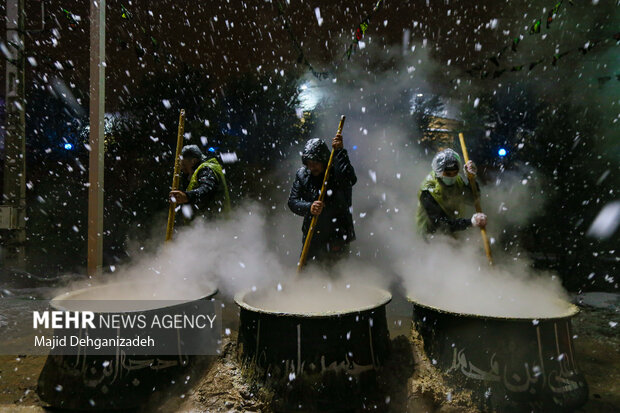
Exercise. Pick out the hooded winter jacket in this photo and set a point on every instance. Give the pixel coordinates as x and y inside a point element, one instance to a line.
<point>335,223</point>
<point>207,190</point>
<point>442,207</point>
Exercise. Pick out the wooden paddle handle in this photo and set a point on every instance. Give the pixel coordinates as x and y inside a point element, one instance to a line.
<point>306,248</point>
<point>176,175</point>
<point>474,190</point>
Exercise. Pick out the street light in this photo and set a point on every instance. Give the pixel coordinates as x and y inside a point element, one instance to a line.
<point>309,96</point>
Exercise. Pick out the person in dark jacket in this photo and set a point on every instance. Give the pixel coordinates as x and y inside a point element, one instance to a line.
<point>206,192</point>
<point>443,196</point>
<point>334,229</point>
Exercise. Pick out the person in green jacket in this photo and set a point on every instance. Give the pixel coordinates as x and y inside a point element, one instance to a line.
<point>206,192</point>
<point>443,196</point>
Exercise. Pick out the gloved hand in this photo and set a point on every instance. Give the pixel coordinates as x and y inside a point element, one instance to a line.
<point>470,168</point>
<point>479,220</point>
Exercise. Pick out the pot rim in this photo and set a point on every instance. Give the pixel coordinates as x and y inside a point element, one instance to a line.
<point>386,297</point>
<point>571,311</point>
<point>56,302</point>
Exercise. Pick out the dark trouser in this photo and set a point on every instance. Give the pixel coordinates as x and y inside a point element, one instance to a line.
<point>327,254</point>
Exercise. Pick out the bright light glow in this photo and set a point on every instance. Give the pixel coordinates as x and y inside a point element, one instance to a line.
<point>502,152</point>
<point>68,146</point>
<point>211,149</point>
<point>310,95</point>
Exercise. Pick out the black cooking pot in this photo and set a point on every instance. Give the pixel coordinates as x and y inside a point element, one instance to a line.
<point>315,361</point>
<point>122,380</point>
<point>510,364</point>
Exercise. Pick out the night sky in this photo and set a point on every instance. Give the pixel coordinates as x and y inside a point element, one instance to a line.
<point>229,37</point>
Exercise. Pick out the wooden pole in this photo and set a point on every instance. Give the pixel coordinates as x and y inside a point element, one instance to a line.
<point>176,175</point>
<point>474,189</point>
<point>96,141</point>
<point>304,251</point>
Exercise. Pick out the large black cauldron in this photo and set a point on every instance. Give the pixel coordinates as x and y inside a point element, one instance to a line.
<point>510,364</point>
<point>316,361</point>
<point>120,381</point>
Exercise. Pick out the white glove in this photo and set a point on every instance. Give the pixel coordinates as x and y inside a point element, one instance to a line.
<point>479,220</point>
<point>470,168</point>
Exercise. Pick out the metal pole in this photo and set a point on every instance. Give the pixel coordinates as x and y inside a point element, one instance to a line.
<point>14,196</point>
<point>97,111</point>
